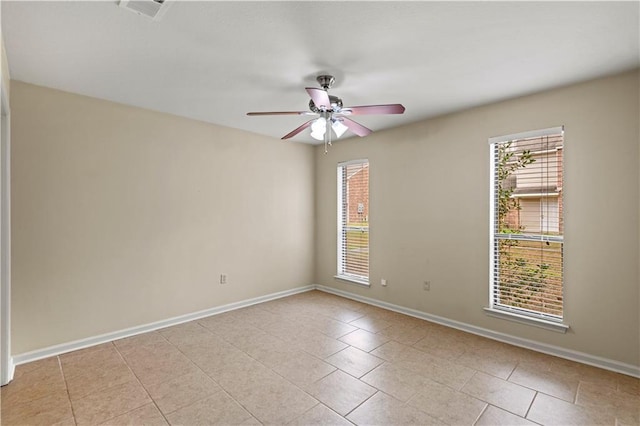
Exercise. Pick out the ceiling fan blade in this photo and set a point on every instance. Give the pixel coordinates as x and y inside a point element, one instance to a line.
<point>279,113</point>
<point>373,109</point>
<point>320,97</point>
<point>356,128</point>
<point>298,129</point>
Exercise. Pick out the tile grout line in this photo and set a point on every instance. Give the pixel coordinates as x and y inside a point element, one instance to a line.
<point>531,404</point>
<point>19,404</point>
<point>512,371</point>
<point>338,338</point>
<point>453,361</point>
<point>140,383</point>
<point>486,406</point>
<point>226,392</point>
<point>319,403</point>
<point>575,397</point>
<point>356,407</point>
<point>502,408</point>
<point>466,381</point>
<point>222,387</point>
<point>294,384</point>
<point>66,388</point>
<point>282,377</point>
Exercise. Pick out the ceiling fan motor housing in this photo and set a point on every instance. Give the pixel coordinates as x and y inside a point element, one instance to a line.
<point>336,104</point>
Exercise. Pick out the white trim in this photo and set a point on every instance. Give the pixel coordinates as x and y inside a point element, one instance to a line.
<point>6,363</point>
<point>12,368</point>
<point>494,308</point>
<point>492,222</point>
<point>582,357</point>
<point>527,319</point>
<point>353,280</point>
<point>527,135</point>
<point>530,237</point>
<point>596,361</point>
<point>339,180</point>
<point>108,337</point>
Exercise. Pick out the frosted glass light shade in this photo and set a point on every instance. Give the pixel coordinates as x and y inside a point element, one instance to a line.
<point>339,128</point>
<point>318,128</point>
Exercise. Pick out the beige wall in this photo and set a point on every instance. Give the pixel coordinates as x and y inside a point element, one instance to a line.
<point>430,213</point>
<point>123,216</point>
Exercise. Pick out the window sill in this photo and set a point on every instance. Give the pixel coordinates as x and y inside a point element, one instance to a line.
<point>352,280</point>
<point>523,319</point>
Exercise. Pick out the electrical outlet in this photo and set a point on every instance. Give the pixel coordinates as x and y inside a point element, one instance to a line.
<point>426,286</point>
<point>223,278</point>
<point>383,282</point>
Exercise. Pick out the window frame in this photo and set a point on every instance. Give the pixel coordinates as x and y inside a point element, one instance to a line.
<point>340,274</point>
<point>495,309</point>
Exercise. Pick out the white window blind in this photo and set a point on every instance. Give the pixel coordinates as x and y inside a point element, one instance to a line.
<point>527,224</point>
<point>353,221</point>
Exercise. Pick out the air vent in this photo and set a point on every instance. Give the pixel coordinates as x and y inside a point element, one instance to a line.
<point>152,9</point>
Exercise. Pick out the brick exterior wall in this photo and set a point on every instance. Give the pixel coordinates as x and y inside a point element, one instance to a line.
<point>358,194</point>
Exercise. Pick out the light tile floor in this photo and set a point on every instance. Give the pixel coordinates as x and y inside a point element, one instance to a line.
<point>315,358</point>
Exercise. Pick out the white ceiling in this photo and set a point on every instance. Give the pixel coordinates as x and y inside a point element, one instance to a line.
<point>215,61</point>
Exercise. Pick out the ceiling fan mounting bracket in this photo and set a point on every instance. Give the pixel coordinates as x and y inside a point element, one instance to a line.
<point>325,81</point>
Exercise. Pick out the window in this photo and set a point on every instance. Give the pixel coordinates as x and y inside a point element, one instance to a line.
<point>353,221</point>
<point>527,225</point>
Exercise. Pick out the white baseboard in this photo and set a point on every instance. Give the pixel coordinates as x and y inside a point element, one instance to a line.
<point>582,357</point>
<point>596,361</point>
<point>108,337</point>
<point>11,368</point>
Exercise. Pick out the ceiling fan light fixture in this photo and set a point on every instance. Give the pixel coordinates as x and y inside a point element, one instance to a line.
<point>318,128</point>
<point>339,128</point>
<point>317,136</point>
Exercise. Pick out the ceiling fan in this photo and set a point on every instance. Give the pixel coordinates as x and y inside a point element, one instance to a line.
<point>332,114</point>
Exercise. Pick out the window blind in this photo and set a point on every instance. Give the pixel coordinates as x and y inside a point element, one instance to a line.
<point>527,223</point>
<point>353,220</point>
